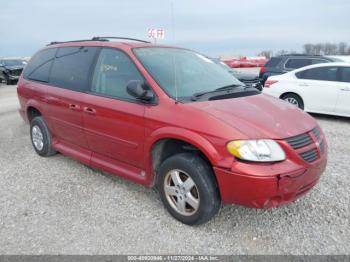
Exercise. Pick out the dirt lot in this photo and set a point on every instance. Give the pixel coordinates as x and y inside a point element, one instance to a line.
<point>58,206</point>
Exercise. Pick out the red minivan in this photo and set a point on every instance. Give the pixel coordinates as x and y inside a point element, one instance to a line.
<point>173,119</point>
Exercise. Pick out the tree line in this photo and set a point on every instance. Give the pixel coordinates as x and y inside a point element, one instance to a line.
<point>341,48</point>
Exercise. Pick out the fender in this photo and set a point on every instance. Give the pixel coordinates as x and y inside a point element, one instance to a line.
<point>181,134</point>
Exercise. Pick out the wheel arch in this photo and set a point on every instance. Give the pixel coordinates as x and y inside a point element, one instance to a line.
<point>166,142</point>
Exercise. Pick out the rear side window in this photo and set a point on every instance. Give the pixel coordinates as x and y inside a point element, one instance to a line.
<point>38,68</point>
<point>71,68</point>
<point>345,74</point>
<point>318,61</point>
<point>114,69</point>
<point>295,63</point>
<point>320,73</point>
<point>273,62</point>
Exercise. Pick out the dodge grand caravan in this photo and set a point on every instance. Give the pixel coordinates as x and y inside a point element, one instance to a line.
<point>170,118</point>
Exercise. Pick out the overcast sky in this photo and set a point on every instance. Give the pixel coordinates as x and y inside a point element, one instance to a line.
<point>213,27</point>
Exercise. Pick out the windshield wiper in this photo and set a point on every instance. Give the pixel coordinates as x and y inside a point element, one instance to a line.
<point>195,96</point>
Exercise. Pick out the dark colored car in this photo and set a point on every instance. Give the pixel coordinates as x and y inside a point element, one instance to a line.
<point>249,79</point>
<point>284,63</point>
<point>11,69</point>
<point>173,119</point>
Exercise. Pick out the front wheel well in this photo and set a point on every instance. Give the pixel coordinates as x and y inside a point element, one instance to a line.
<point>166,148</point>
<point>32,112</point>
<point>289,93</point>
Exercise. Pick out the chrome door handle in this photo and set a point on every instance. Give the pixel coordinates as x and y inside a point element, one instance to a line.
<point>303,84</point>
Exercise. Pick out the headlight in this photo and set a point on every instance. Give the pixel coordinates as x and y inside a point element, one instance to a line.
<point>262,150</point>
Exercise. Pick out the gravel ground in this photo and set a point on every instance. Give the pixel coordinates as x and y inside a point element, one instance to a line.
<point>58,206</point>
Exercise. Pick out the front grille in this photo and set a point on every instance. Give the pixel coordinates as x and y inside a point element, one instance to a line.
<point>317,133</point>
<point>15,72</point>
<point>299,141</point>
<point>309,156</point>
<point>309,146</point>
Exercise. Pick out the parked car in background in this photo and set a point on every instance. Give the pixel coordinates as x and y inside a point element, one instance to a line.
<point>245,62</point>
<point>321,88</point>
<point>170,118</point>
<point>11,69</point>
<point>284,63</point>
<point>249,79</point>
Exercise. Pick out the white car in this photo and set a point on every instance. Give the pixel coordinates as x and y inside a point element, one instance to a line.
<point>320,88</point>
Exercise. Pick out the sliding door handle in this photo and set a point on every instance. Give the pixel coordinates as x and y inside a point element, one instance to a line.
<point>89,110</point>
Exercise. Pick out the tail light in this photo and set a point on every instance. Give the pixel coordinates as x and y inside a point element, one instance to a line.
<point>262,70</point>
<point>269,83</point>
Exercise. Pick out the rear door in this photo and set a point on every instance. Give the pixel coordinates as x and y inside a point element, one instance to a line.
<point>114,120</point>
<point>319,88</point>
<point>69,79</point>
<point>343,103</point>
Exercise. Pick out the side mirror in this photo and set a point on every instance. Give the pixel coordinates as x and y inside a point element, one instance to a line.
<point>140,90</point>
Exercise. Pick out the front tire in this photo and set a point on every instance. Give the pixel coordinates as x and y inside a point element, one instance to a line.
<point>41,137</point>
<point>188,189</point>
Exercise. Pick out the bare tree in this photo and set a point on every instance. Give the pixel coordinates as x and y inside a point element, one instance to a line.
<point>309,49</point>
<point>342,48</point>
<point>267,53</point>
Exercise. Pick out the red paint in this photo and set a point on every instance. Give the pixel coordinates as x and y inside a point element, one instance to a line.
<point>118,136</point>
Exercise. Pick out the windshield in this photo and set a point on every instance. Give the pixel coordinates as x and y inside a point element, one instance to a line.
<point>184,70</point>
<point>14,62</point>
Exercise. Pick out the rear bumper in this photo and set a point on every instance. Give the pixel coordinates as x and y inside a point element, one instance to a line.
<point>268,191</point>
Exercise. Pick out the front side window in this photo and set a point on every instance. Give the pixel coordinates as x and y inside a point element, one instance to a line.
<point>113,71</point>
<point>319,73</point>
<point>294,63</point>
<point>38,68</point>
<point>71,68</point>
<point>182,73</point>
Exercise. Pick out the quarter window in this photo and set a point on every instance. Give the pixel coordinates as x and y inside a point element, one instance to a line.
<point>113,71</point>
<point>71,68</point>
<point>295,63</point>
<point>39,66</point>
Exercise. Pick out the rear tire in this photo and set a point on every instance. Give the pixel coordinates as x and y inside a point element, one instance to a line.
<point>187,187</point>
<point>41,137</point>
<point>294,99</point>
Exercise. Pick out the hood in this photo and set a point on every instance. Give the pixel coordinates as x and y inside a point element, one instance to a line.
<point>244,76</point>
<point>259,116</point>
<point>14,67</point>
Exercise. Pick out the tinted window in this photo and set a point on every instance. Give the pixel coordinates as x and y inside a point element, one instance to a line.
<point>113,71</point>
<point>345,74</point>
<point>318,61</point>
<point>273,62</point>
<point>72,67</point>
<point>295,63</point>
<point>320,73</point>
<point>39,66</point>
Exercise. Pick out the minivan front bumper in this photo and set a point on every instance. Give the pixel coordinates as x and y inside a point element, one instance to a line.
<point>268,191</point>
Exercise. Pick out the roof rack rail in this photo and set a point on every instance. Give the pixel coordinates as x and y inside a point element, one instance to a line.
<point>71,41</point>
<point>298,54</point>
<point>105,38</point>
